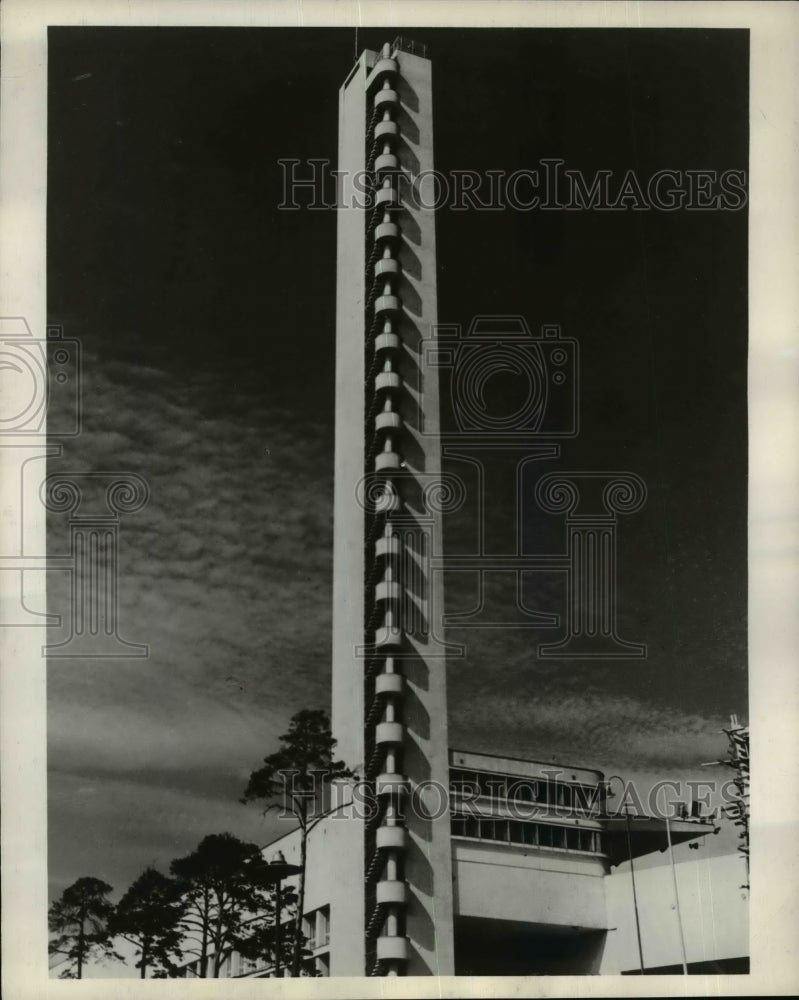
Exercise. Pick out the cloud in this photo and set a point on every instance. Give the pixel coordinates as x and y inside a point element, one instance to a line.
<point>225,575</point>
<point>592,729</point>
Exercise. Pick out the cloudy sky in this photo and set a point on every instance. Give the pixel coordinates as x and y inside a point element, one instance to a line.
<point>206,317</point>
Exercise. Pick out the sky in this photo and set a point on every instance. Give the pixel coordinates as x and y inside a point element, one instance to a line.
<point>206,318</point>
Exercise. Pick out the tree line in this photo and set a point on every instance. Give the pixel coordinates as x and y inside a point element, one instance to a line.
<point>220,898</point>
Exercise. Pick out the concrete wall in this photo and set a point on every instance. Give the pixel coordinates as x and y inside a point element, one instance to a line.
<point>715,914</point>
<point>348,555</point>
<point>542,770</point>
<point>343,868</point>
<point>510,883</point>
<point>337,846</point>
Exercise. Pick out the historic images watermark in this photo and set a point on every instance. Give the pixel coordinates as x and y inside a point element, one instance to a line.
<point>42,406</point>
<point>529,426</point>
<point>549,186</point>
<point>549,796</point>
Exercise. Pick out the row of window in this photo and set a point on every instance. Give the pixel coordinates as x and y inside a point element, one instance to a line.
<point>234,965</point>
<point>511,831</point>
<point>545,791</point>
<point>316,926</point>
<point>318,965</point>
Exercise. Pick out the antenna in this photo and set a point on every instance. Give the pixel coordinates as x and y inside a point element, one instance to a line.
<point>738,759</point>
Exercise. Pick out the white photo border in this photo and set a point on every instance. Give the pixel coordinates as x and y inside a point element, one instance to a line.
<point>773,474</point>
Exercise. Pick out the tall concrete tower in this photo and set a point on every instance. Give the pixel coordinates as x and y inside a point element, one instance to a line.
<point>389,689</point>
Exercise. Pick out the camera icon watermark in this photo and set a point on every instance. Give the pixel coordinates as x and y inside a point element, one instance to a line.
<point>40,380</point>
<point>538,375</point>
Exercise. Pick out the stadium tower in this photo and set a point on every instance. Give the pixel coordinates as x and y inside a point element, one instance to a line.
<point>389,691</point>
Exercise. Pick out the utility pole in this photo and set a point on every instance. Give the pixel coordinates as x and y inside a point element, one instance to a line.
<point>676,898</point>
<point>635,896</point>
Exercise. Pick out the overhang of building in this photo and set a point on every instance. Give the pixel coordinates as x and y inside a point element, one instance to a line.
<point>485,947</point>
<point>638,835</point>
<point>507,883</point>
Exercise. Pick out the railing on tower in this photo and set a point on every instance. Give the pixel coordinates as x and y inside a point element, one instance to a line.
<point>409,45</point>
<point>385,837</point>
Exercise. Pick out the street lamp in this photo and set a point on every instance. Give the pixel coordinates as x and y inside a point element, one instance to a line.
<point>274,872</point>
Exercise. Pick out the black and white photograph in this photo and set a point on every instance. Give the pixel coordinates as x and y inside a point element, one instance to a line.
<point>393,531</point>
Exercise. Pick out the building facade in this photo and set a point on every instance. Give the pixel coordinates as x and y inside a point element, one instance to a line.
<point>534,890</point>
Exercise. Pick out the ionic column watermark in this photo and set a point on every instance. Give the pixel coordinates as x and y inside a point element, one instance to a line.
<point>93,560</point>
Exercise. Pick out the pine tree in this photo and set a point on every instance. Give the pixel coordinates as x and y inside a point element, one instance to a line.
<point>148,917</point>
<point>221,890</point>
<point>79,919</point>
<point>294,776</point>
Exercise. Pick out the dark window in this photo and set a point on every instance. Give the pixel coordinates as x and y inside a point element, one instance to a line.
<point>522,790</point>
<point>487,829</point>
<point>487,783</point>
<point>497,786</point>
